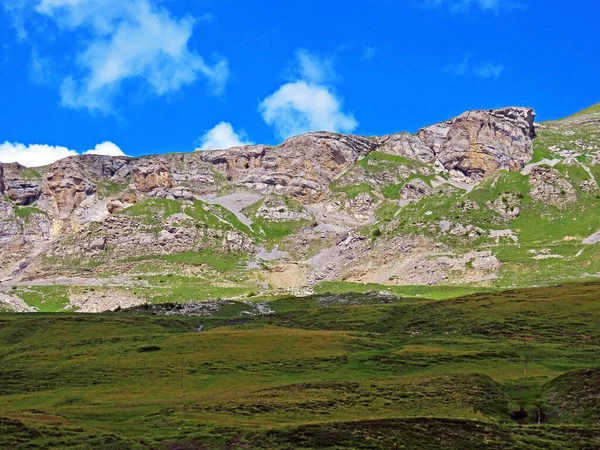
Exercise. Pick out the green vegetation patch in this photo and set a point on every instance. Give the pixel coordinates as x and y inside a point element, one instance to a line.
<point>26,212</point>
<point>44,298</point>
<point>111,188</point>
<point>153,210</point>
<point>274,231</point>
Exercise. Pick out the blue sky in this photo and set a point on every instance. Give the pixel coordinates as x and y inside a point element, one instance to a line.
<point>157,76</point>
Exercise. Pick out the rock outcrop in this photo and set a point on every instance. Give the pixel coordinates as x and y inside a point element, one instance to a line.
<point>73,210</point>
<point>479,143</point>
<point>549,187</point>
<point>302,167</point>
<point>407,145</point>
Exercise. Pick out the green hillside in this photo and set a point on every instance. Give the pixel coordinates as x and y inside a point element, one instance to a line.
<point>328,371</point>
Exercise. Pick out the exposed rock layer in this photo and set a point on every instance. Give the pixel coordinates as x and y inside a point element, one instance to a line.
<point>69,210</point>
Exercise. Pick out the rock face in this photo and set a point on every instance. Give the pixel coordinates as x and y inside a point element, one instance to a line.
<point>73,210</point>
<point>302,167</point>
<point>20,187</point>
<point>407,145</point>
<point>479,143</point>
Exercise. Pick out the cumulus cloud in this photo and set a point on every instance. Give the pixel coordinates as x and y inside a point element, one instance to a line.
<point>307,103</point>
<point>464,6</point>
<point>33,155</point>
<point>127,40</point>
<point>106,148</point>
<point>482,70</point>
<point>36,155</point>
<point>222,136</point>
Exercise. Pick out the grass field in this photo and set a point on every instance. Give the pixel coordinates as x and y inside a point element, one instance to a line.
<point>345,370</point>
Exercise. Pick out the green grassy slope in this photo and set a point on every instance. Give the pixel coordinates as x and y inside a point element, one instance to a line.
<point>329,371</point>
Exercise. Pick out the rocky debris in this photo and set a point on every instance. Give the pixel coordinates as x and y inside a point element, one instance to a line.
<point>204,309</point>
<point>544,253</point>
<point>544,162</point>
<point>236,202</point>
<point>363,206</point>
<point>14,304</point>
<point>97,244</point>
<point>175,193</point>
<point>97,301</point>
<point>415,189</point>
<point>468,206</point>
<point>273,254</point>
<point>589,186</point>
<point>499,234</point>
<point>479,143</point>
<point>507,206</point>
<point>420,262</point>
<point>120,237</point>
<point>550,188</point>
<point>277,209</point>
<point>408,146</point>
<point>593,239</point>
<point>456,229</point>
<point>368,298</point>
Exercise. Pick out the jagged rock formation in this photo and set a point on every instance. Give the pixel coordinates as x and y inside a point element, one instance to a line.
<point>397,209</point>
<point>478,143</point>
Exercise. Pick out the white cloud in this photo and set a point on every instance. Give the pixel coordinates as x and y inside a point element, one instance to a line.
<point>465,6</point>
<point>36,155</point>
<point>482,70</point>
<point>106,148</point>
<point>16,9</point>
<point>313,68</point>
<point>306,104</point>
<point>222,136</point>
<point>127,40</point>
<point>33,155</point>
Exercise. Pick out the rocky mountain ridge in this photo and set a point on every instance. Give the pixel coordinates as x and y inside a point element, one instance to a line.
<point>319,207</point>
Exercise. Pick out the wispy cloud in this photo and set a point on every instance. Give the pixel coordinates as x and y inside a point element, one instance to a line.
<point>465,6</point>
<point>124,40</point>
<point>369,52</point>
<point>489,70</point>
<point>312,68</point>
<point>307,103</point>
<point>481,69</point>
